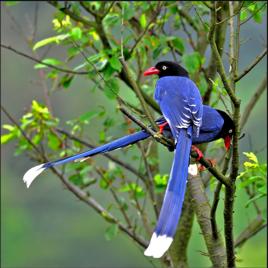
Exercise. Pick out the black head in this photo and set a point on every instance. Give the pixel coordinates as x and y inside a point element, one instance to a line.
<point>167,68</point>
<point>227,130</point>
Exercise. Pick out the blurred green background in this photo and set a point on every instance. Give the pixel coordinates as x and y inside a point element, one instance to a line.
<point>46,226</point>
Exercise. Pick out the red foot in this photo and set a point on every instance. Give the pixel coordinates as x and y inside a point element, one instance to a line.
<point>199,153</point>
<point>212,163</point>
<point>162,126</point>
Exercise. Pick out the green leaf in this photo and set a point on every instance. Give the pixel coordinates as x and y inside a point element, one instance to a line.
<point>88,116</point>
<point>157,51</point>
<point>50,61</point>
<point>178,43</point>
<point>115,63</point>
<point>111,88</point>
<point>66,80</point>
<point>8,127</point>
<point>53,141</point>
<point>129,11</point>
<point>76,33</point>
<point>76,179</point>
<point>192,62</point>
<point>111,19</point>
<point>251,156</point>
<point>53,39</point>
<point>11,3</point>
<point>102,136</point>
<point>37,138</point>
<point>111,232</point>
<point>7,137</point>
<point>243,14</point>
<point>143,21</point>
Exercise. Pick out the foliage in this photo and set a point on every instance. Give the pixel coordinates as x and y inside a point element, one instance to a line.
<point>254,177</point>
<point>94,36</point>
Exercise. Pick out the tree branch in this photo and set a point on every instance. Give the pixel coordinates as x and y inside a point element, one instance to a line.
<point>138,93</point>
<point>252,65</point>
<point>254,99</point>
<point>107,155</point>
<point>75,17</point>
<point>218,60</point>
<point>202,208</point>
<point>252,229</point>
<point>41,62</point>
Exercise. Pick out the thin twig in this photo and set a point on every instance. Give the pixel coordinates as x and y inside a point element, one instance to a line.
<point>107,155</point>
<point>252,65</point>
<point>41,62</point>
<point>138,93</point>
<point>252,102</point>
<point>156,13</point>
<point>252,229</point>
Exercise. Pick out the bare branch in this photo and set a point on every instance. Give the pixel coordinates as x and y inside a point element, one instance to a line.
<point>41,62</point>
<point>252,65</point>
<point>107,155</point>
<point>252,229</point>
<point>251,104</point>
<point>138,93</point>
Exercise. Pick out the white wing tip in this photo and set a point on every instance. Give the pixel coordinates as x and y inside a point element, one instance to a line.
<point>158,246</point>
<point>32,173</point>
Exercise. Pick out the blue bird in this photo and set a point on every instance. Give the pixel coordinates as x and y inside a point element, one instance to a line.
<point>216,124</point>
<point>188,122</point>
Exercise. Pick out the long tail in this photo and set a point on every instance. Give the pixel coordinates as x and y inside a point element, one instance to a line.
<point>32,173</point>
<point>173,200</point>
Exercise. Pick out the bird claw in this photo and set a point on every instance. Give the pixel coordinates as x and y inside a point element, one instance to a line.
<point>203,168</point>
<point>198,151</point>
<point>162,126</point>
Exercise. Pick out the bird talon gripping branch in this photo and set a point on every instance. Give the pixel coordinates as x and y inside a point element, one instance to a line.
<point>161,127</point>
<point>198,151</point>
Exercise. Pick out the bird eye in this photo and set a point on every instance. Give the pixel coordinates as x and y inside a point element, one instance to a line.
<point>164,67</point>
<point>230,131</point>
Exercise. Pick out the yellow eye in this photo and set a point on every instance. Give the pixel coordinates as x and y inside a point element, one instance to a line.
<point>164,67</point>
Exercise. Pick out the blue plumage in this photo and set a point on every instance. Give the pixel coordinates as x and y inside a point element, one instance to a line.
<point>189,122</point>
<point>174,196</point>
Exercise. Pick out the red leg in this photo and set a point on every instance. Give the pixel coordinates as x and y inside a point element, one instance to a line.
<point>162,126</point>
<point>199,153</point>
<point>211,161</point>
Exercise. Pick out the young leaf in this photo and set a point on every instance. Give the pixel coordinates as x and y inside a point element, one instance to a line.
<point>111,232</point>
<point>53,141</point>
<point>111,88</point>
<point>49,40</point>
<point>76,33</point>
<point>115,63</point>
<point>50,61</point>
<point>143,21</point>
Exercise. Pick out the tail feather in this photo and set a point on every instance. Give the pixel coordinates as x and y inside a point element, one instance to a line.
<point>173,200</point>
<point>32,173</point>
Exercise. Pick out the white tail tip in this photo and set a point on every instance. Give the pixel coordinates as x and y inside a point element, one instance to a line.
<point>193,170</point>
<point>32,173</point>
<point>158,246</point>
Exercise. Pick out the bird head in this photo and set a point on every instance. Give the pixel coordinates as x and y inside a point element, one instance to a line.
<point>228,128</point>
<point>166,68</point>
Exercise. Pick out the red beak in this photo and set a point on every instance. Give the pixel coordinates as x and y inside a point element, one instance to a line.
<point>151,71</point>
<point>227,142</point>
